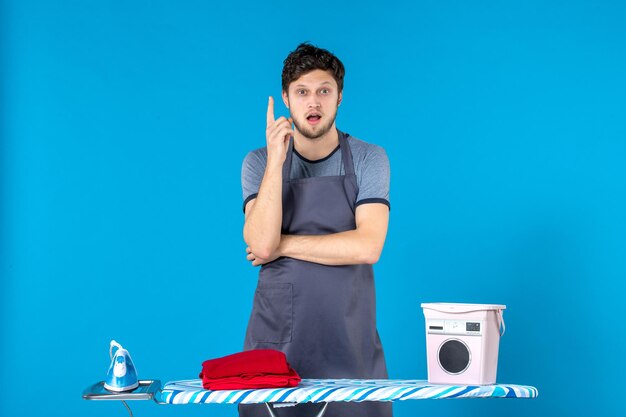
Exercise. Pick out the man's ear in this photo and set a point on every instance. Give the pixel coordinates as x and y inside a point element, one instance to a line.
<point>340,98</point>
<point>286,99</point>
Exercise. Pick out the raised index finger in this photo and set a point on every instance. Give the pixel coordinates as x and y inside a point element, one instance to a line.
<point>270,111</point>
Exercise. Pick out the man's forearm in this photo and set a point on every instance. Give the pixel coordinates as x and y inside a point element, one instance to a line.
<point>362,245</point>
<point>345,248</point>
<point>264,216</point>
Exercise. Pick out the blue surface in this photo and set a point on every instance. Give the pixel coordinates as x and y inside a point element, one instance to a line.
<point>124,124</point>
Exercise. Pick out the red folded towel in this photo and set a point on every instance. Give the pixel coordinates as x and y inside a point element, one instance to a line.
<point>262,368</point>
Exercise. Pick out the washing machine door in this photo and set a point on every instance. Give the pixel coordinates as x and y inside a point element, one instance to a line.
<point>454,356</point>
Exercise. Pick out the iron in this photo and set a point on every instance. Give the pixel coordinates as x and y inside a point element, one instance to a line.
<point>122,375</point>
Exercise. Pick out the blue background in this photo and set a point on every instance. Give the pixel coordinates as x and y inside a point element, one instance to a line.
<point>124,124</point>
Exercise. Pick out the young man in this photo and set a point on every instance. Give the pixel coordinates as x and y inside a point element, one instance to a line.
<point>316,204</point>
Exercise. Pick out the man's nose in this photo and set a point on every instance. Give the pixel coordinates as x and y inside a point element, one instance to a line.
<point>313,102</point>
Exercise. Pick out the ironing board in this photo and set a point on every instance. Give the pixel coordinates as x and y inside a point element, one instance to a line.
<point>317,391</point>
<point>330,390</point>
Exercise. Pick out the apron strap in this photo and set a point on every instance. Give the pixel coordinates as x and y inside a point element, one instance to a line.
<point>346,153</point>
<point>287,163</point>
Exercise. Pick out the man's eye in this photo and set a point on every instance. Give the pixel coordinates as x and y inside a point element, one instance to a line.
<point>301,92</point>
<point>324,91</point>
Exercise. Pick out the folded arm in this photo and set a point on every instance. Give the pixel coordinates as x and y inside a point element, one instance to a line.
<point>362,245</point>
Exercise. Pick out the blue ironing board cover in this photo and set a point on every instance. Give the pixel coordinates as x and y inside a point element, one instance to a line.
<point>329,390</point>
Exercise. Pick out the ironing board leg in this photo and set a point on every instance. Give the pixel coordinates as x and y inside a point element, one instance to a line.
<point>320,414</point>
<point>269,410</point>
<point>322,411</point>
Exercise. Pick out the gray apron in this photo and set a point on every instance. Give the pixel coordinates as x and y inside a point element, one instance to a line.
<point>322,317</point>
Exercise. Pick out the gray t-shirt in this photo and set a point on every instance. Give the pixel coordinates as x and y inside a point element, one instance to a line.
<point>371,167</point>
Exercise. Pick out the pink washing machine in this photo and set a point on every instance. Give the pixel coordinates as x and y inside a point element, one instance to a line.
<point>462,342</point>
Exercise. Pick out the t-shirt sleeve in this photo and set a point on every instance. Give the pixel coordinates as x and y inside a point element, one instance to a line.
<point>375,177</point>
<point>252,171</point>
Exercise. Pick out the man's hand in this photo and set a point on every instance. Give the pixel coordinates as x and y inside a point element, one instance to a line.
<point>277,134</point>
<point>255,260</point>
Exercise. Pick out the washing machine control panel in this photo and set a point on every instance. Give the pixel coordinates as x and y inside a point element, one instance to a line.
<point>458,327</point>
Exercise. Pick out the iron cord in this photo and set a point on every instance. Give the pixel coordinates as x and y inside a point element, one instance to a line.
<point>128,408</point>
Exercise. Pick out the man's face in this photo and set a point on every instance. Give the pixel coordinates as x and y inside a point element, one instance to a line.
<point>312,100</point>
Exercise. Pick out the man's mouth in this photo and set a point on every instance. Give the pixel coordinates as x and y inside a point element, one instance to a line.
<point>313,118</point>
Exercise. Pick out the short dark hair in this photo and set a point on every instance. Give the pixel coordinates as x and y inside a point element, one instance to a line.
<point>307,58</point>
